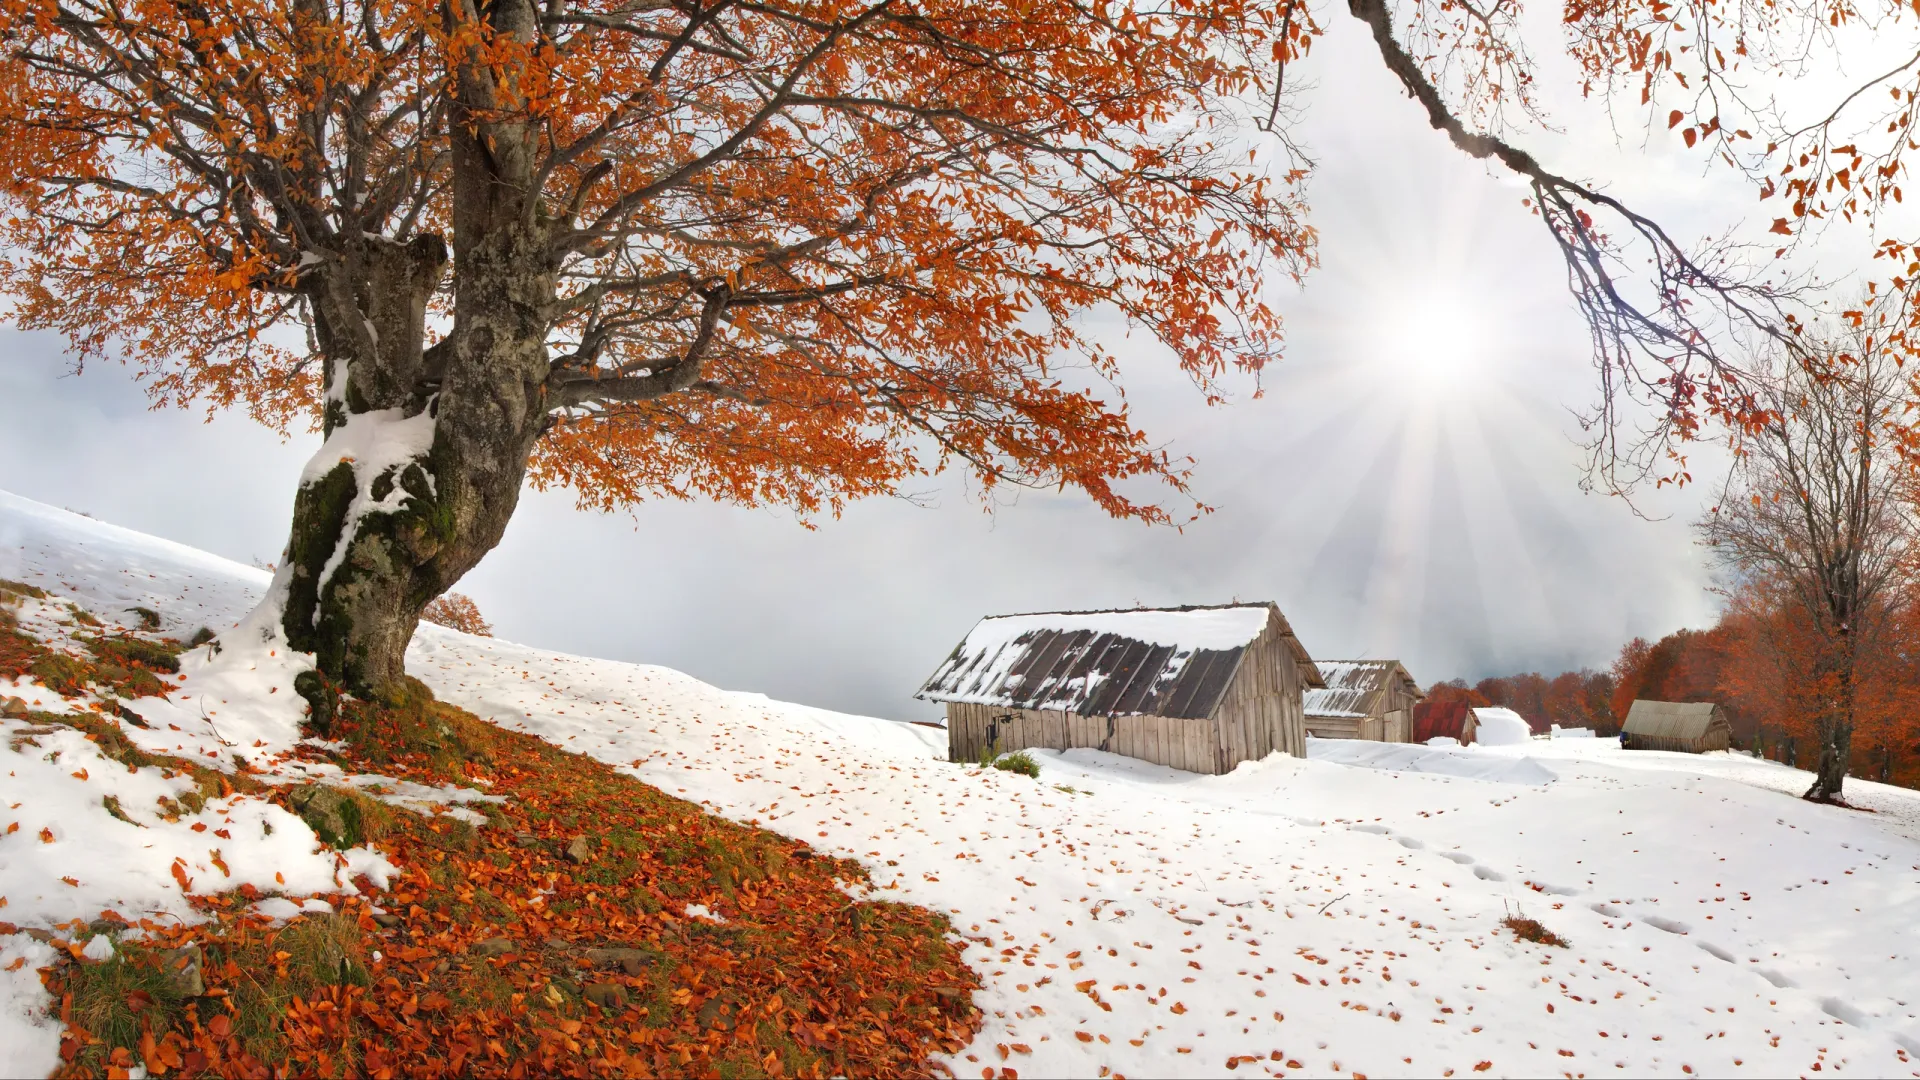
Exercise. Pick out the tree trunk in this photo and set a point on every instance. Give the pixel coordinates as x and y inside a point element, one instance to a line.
<point>426,448</point>
<point>1836,730</point>
<point>425,455</point>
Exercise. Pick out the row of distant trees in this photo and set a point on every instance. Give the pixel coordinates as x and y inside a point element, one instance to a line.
<point>1757,662</point>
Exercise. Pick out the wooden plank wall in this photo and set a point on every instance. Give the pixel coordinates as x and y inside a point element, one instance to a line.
<point>1179,744</point>
<point>1393,711</point>
<point>1260,713</point>
<point>1261,710</point>
<point>1335,727</point>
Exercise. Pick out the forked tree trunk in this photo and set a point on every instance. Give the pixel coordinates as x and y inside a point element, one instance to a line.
<point>426,448</point>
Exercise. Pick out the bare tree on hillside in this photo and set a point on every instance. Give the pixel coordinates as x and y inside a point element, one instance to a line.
<point>1815,504</point>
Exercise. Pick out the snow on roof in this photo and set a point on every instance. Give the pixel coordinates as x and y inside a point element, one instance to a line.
<point>1350,685</point>
<point>1174,662</point>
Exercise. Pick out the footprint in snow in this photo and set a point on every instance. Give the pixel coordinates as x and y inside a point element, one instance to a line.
<point>1671,926</point>
<point>1844,1012</point>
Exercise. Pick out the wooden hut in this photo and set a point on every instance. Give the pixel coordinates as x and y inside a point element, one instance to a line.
<point>1195,688</point>
<point>1363,699</point>
<point>1443,719</point>
<point>1692,727</point>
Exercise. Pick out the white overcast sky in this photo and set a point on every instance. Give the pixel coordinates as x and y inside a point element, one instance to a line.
<point>1407,487</point>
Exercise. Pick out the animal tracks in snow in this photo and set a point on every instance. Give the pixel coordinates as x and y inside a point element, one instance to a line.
<point>1671,926</point>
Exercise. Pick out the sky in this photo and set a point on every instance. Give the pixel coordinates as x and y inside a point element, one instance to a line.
<point>1407,485</point>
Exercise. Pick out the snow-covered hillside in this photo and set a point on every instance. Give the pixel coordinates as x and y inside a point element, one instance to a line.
<point>1336,915</point>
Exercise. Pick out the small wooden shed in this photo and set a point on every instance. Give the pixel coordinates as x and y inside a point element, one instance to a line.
<point>1195,688</point>
<point>1363,699</point>
<point>1692,727</point>
<point>1443,719</point>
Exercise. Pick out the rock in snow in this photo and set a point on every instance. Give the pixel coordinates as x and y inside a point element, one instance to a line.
<point>1340,914</point>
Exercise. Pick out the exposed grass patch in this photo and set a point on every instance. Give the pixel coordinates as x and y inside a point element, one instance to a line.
<point>109,1004</point>
<point>1530,930</point>
<point>1018,762</point>
<point>149,618</point>
<point>552,940</point>
<point>129,651</point>
<point>15,590</point>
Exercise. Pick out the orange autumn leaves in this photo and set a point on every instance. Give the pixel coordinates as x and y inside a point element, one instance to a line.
<point>913,210</point>
<point>551,941</point>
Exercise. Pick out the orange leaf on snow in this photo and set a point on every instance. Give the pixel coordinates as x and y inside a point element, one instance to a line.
<point>46,836</point>
<point>1083,1036</point>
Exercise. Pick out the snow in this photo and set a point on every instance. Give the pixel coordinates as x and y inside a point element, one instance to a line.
<point>1200,628</point>
<point>1343,911</point>
<point>29,1035</point>
<point>981,670</point>
<point>1409,758</point>
<point>70,857</point>
<point>1571,733</point>
<point>1500,727</point>
<point>377,444</point>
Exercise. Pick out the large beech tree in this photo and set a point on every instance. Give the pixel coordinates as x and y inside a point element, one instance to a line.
<point>778,250</point>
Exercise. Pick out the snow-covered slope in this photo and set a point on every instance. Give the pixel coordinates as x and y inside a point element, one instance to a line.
<point>1335,915</point>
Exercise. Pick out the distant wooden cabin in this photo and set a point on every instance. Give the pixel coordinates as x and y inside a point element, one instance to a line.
<point>1363,699</point>
<point>1195,688</point>
<point>1443,719</point>
<point>1692,727</point>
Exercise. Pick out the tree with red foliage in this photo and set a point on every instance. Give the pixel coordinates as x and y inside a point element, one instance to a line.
<point>1683,666</point>
<point>1457,690</point>
<point>457,611</point>
<point>1814,520</point>
<point>1772,674</point>
<point>796,252</point>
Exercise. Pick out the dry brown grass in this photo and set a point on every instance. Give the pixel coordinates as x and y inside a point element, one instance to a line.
<point>1530,930</point>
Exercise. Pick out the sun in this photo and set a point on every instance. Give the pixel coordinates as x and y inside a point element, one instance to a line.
<point>1431,342</point>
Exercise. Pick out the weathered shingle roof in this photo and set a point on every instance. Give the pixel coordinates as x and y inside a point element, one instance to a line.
<point>1670,719</point>
<point>1174,662</point>
<point>1351,685</point>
